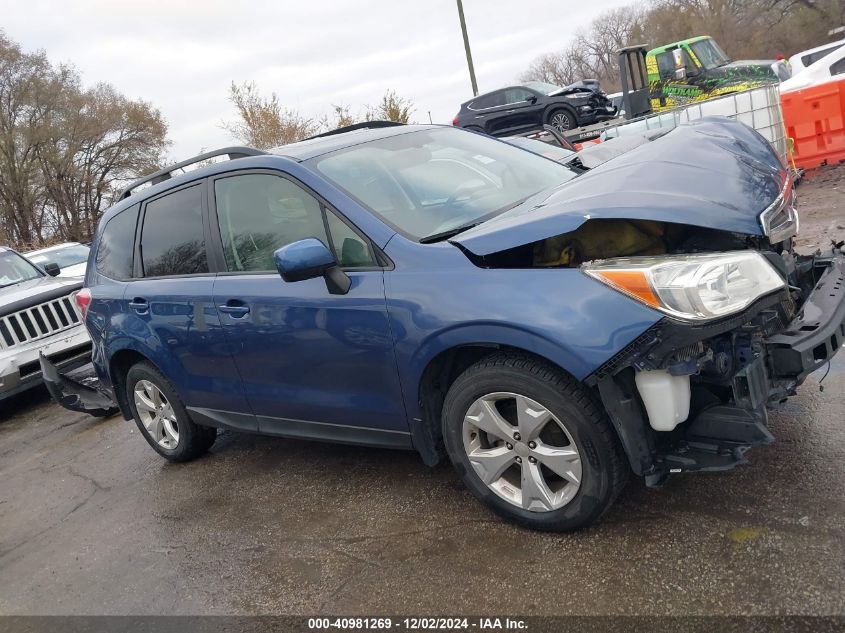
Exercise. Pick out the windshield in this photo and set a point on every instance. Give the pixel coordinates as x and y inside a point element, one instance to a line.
<point>64,257</point>
<point>709,54</point>
<point>433,181</point>
<point>14,269</point>
<point>543,87</point>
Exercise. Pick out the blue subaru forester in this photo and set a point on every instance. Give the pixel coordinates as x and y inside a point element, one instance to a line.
<point>549,328</point>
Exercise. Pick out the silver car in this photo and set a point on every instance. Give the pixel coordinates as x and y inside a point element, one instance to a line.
<point>38,313</point>
<point>71,258</point>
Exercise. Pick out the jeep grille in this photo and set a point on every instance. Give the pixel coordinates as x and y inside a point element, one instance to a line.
<point>40,321</point>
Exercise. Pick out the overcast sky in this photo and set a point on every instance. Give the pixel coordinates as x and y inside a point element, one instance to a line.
<point>182,55</point>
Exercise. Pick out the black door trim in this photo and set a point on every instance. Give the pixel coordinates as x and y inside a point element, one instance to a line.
<point>303,429</point>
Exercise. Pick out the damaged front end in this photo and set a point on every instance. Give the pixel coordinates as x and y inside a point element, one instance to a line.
<point>688,397</point>
<point>697,225</point>
<point>744,321</point>
<point>77,390</point>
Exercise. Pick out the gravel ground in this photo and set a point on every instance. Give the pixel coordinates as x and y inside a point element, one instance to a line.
<point>93,522</point>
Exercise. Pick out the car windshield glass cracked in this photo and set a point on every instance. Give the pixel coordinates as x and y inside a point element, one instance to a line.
<point>428,182</point>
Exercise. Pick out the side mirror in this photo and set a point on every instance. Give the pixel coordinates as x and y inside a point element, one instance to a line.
<point>532,99</point>
<point>52,269</point>
<point>310,258</point>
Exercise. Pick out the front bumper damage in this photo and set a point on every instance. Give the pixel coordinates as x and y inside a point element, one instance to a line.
<point>737,367</point>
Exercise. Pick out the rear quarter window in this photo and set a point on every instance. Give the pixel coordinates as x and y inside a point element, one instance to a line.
<point>491,100</point>
<point>114,253</point>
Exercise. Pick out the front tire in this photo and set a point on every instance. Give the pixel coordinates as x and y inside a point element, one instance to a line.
<point>562,119</point>
<point>530,443</point>
<point>162,418</point>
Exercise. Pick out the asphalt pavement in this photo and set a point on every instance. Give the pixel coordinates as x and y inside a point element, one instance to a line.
<point>92,521</point>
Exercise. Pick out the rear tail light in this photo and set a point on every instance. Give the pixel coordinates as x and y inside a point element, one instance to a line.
<point>83,301</point>
<point>455,120</point>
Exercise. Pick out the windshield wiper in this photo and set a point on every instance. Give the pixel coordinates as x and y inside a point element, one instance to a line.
<point>443,235</point>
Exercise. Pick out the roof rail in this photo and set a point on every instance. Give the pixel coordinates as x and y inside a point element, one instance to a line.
<point>167,173</point>
<point>364,125</point>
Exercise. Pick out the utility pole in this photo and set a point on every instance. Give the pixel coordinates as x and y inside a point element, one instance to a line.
<point>466,47</point>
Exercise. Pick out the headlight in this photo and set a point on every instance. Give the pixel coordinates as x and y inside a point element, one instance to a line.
<point>692,287</point>
<point>780,219</point>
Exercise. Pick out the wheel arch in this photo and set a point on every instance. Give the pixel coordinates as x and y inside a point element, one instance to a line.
<point>441,369</point>
<point>119,364</point>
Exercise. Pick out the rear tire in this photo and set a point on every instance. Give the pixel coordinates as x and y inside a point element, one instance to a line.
<point>162,418</point>
<point>531,444</point>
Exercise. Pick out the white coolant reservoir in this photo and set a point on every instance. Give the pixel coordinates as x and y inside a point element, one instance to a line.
<point>666,398</point>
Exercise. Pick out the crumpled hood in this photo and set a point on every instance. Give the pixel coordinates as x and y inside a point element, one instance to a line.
<point>714,173</point>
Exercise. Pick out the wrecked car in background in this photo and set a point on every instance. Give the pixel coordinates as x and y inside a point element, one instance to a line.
<point>37,314</point>
<point>550,330</point>
<point>534,104</point>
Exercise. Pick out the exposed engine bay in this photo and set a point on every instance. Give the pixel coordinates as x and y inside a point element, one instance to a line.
<point>603,239</point>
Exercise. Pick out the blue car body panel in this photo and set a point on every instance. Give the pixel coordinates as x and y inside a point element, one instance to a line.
<point>723,183</point>
<point>304,354</point>
<point>300,356</point>
<point>438,300</point>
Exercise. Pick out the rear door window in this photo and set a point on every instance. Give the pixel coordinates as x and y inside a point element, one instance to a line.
<point>117,243</point>
<point>172,238</point>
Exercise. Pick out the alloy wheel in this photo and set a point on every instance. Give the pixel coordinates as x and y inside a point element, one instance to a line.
<point>522,452</point>
<point>156,414</point>
<point>561,121</point>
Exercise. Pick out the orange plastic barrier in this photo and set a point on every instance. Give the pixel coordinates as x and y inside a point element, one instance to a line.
<point>579,146</point>
<point>815,119</point>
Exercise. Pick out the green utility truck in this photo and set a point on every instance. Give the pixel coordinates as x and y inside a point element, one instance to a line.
<point>697,68</point>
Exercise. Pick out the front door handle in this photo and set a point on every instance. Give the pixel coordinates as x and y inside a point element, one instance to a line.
<point>234,308</point>
<point>140,305</point>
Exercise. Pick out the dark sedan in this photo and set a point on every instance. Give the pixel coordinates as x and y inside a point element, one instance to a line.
<point>534,104</point>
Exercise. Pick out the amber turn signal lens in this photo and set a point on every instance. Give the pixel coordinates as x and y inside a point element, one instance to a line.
<point>631,282</point>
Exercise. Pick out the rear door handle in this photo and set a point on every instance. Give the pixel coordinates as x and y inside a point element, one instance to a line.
<point>234,308</point>
<point>140,305</point>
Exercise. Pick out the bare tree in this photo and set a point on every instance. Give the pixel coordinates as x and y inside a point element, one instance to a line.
<point>343,117</point>
<point>28,86</point>
<point>755,29</point>
<point>553,68</point>
<point>392,108</point>
<point>262,122</point>
<point>96,140</point>
<point>65,150</point>
<point>592,52</point>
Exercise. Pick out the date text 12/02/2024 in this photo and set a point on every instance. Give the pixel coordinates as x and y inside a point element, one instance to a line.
<point>417,623</point>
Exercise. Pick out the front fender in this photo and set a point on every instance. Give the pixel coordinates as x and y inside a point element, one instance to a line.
<point>560,314</point>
